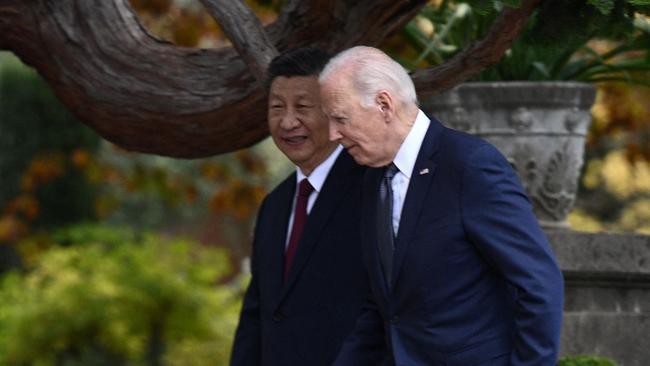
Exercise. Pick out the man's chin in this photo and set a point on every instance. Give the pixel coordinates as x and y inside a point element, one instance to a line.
<point>360,159</point>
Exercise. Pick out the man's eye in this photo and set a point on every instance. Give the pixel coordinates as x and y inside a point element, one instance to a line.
<point>304,106</point>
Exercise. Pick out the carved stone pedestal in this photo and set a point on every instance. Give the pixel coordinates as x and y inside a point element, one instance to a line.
<point>539,126</point>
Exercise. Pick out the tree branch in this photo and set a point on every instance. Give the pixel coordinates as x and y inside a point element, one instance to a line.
<point>246,33</point>
<point>150,96</point>
<point>139,92</point>
<point>478,56</point>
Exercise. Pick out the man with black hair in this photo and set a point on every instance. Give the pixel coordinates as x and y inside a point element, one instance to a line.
<point>308,281</point>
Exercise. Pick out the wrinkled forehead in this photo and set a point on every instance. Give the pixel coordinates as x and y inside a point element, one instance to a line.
<point>337,95</point>
<point>338,85</point>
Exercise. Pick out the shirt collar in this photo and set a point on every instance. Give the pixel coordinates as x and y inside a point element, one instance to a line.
<point>319,174</point>
<point>408,151</point>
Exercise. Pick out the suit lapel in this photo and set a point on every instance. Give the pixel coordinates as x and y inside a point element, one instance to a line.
<point>278,233</point>
<point>333,191</point>
<point>423,172</point>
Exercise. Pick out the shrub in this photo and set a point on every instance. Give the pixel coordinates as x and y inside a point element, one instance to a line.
<point>124,299</point>
<point>585,360</point>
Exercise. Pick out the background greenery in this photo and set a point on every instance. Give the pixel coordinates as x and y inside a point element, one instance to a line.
<point>113,296</point>
<point>585,360</point>
<point>114,258</point>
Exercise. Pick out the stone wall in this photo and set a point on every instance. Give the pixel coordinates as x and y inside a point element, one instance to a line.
<point>607,295</point>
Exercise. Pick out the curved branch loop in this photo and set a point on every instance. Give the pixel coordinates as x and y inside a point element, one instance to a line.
<point>151,96</point>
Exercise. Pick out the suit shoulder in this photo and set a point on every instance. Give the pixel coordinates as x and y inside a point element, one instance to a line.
<point>464,148</point>
<point>280,191</point>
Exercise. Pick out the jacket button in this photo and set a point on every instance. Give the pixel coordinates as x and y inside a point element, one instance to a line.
<point>277,317</point>
<point>394,319</point>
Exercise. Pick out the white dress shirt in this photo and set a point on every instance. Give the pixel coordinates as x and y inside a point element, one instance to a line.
<point>316,179</point>
<point>405,162</point>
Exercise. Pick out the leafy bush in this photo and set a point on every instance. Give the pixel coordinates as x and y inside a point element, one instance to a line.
<point>584,360</point>
<point>119,298</point>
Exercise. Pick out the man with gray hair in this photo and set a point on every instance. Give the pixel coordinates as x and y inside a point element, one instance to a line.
<point>460,271</point>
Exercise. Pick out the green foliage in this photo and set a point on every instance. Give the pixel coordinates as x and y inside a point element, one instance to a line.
<point>604,6</point>
<point>584,360</point>
<point>553,46</point>
<point>115,297</point>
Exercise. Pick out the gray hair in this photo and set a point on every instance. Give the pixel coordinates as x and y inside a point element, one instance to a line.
<point>371,71</point>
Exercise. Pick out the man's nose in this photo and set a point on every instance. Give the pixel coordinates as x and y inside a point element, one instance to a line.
<point>289,120</point>
<point>335,135</point>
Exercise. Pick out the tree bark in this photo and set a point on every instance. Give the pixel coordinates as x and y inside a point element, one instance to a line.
<point>151,96</point>
<point>245,31</point>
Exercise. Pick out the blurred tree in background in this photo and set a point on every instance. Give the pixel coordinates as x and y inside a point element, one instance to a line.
<point>40,142</point>
<point>615,186</point>
<point>41,185</point>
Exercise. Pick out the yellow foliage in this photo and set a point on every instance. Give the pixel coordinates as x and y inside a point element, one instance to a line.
<point>636,216</point>
<point>582,221</point>
<point>619,176</point>
<point>600,112</point>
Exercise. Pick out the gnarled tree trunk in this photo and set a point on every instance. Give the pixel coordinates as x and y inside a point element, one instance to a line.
<point>151,96</point>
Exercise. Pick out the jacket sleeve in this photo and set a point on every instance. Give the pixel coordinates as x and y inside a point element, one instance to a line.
<point>247,344</point>
<point>366,345</point>
<point>498,219</point>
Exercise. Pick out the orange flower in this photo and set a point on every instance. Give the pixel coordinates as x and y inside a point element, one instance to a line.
<point>11,229</point>
<point>80,158</point>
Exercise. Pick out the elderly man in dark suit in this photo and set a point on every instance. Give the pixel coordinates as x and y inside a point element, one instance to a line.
<point>461,273</point>
<point>308,280</point>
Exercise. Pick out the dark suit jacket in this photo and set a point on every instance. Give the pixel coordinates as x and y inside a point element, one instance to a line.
<point>304,320</point>
<point>474,279</point>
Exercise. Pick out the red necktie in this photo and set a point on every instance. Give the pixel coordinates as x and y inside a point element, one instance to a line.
<point>299,219</point>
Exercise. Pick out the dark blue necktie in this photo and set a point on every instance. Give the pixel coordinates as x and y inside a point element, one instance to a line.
<point>385,234</point>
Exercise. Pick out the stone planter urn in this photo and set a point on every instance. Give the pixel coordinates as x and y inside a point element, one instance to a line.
<point>539,126</point>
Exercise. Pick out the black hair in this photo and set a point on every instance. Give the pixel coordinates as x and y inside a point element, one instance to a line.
<point>304,61</point>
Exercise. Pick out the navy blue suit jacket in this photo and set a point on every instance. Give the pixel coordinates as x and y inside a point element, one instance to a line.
<point>474,278</point>
<point>305,319</point>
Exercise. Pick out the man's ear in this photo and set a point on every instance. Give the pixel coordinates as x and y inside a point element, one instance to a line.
<point>386,104</point>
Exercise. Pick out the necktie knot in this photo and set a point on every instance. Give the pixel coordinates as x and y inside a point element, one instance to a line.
<point>390,171</point>
<point>304,188</point>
